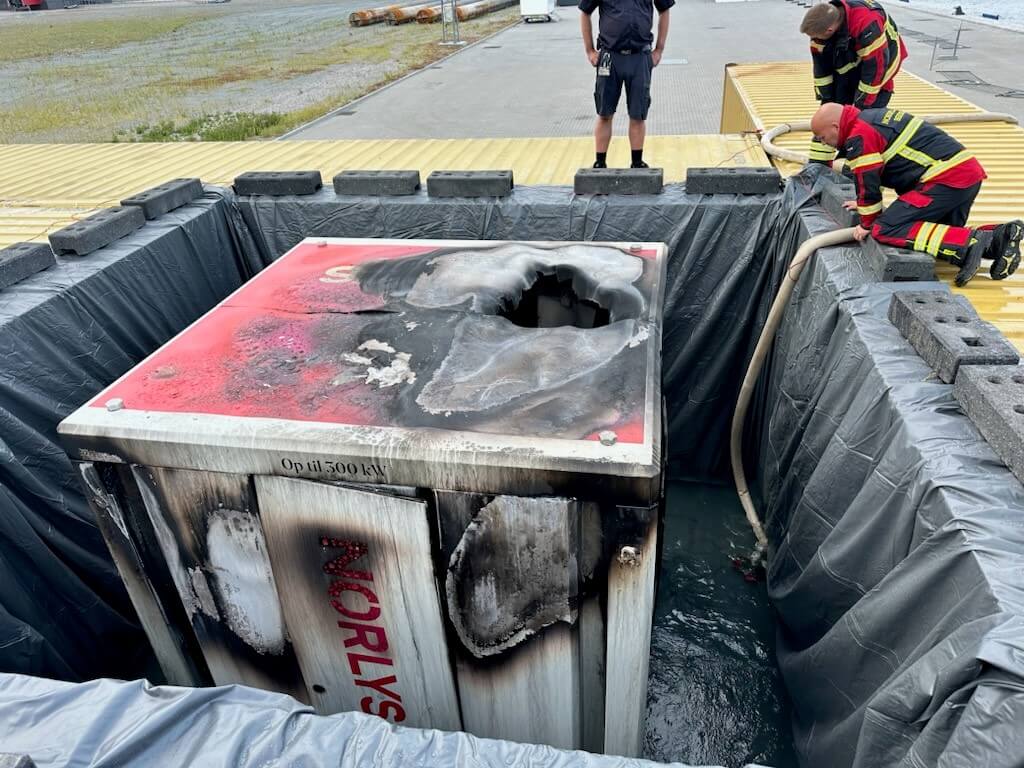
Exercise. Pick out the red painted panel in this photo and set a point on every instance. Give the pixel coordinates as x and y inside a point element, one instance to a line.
<point>272,348</point>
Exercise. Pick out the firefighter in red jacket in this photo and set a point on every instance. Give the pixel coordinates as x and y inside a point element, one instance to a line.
<point>936,180</point>
<point>857,52</point>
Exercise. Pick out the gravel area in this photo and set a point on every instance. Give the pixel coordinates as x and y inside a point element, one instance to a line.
<point>243,56</point>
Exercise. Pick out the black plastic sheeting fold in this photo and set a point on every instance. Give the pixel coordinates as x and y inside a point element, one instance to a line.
<point>64,334</point>
<point>897,539</point>
<point>166,726</point>
<point>897,548</point>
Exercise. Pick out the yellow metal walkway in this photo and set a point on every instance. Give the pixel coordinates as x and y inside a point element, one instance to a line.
<point>758,97</point>
<point>45,186</point>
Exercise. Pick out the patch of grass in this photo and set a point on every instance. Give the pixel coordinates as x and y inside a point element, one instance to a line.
<point>40,39</point>
<point>186,88</point>
<point>224,126</point>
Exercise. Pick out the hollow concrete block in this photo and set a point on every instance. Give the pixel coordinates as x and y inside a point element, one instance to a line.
<point>469,184</point>
<point>947,333</point>
<point>992,396</point>
<point>22,260</point>
<point>833,195</point>
<point>897,265</point>
<point>619,181</point>
<point>391,183</point>
<point>732,181</point>
<point>156,201</point>
<point>97,231</point>
<point>278,183</point>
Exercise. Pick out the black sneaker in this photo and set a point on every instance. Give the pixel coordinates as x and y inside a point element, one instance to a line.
<point>641,164</point>
<point>1004,249</point>
<point>599,164</point>
<point>971,260</point>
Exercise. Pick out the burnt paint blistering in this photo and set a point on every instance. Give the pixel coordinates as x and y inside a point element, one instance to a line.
<point>418,340</point>
<point>539,566</point>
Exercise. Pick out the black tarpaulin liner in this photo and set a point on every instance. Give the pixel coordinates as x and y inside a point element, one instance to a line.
<point>897,538</point>
<point>64,334</point>
<point>70,331</point>
<point>103,724</point>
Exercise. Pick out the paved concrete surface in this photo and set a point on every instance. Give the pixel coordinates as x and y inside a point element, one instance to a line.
<point>533,79</point>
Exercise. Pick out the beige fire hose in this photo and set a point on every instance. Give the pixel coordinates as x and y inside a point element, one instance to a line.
<point>796,266</point>
<point>764,343</point>
<point>770,148</point>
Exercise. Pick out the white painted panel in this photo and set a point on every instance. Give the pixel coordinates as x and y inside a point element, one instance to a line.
<point>630,612</point>
<point>110,518</point>
<point>360,600</point>
<point>209,531</point>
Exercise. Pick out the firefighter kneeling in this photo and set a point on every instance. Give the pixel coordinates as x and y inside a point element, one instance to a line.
<point>936,180</point>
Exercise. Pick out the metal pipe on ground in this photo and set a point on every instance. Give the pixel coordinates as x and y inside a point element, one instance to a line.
<point>409,13</point>
<point>368,16</point>
<point>465,12</point>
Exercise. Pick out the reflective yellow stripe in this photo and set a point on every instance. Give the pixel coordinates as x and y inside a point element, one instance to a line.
<point>936,239</point>
<point>870,159</point>
<point>867,210</point>
<point>847,67</point>
<point>890,31</point>
<point>881,40</point>
<point>941,167</point>
<point>890,73</point>
<point>823,80</point>
<point>902,140</point>
<point>817,47</point>
<point>918,157</point>
<point>872,89</point>
<point>921,241</point>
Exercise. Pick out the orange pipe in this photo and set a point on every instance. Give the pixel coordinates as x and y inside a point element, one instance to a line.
<point>369,16</point>
<point>469,11</point>
<point>411,13</point>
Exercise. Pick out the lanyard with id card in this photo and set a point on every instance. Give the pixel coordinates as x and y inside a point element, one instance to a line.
<point>604,65</point>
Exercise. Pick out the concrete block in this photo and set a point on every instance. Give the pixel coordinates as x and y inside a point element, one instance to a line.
<point>21,260</point>
<point>732,181</point>
<point>897,265</point>
<point>833,195</point>
<point>278,183</point>
<point>619,181</point>
<point>8,760</point>
<point>947,333</point>
<point>377,182</point>
<point>97,231</point>
<point>992,396</point>
<point>469,184</point>
<point>157,201</point>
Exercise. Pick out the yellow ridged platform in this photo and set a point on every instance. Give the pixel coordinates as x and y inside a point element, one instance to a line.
<point>758,97</point>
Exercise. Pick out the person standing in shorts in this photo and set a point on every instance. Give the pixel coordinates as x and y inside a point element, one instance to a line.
<point>624,56</point>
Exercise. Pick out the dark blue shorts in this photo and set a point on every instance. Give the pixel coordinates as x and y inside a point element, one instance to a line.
<point>632,70</point>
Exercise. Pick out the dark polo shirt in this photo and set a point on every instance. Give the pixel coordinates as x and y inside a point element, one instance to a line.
<point>625,24</point>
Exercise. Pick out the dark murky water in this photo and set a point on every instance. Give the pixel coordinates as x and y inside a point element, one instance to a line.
<point>715,695</point>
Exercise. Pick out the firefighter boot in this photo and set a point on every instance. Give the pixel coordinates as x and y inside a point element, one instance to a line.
<point>1004,249</point>
<point>970,260</point>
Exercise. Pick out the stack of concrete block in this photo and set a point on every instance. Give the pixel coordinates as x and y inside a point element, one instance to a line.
<point>971,354</point>
<point>470,184</point>
<point>619,181</point>
<point>23,260</point>
<point>733,181</point>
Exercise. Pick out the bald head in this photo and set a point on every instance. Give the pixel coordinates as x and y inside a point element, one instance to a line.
<point>825,123</point>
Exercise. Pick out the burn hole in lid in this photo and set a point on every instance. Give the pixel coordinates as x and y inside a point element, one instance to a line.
<point>552,302</point>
